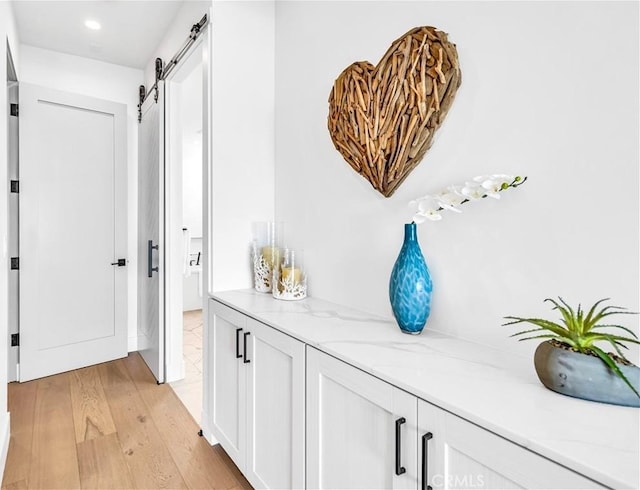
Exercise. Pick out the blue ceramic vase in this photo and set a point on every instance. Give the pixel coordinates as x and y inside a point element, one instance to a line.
<point>410,285</point>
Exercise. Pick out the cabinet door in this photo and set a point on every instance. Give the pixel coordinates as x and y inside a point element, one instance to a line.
<point>354,421</point>
<point>463,455</point>
<point>275,408</point>
<point>228,380</point>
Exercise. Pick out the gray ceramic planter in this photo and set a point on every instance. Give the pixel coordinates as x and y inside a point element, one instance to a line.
<point>584,376</point>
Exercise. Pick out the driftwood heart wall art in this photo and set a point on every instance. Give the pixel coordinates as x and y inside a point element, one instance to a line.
<point>382,118</point>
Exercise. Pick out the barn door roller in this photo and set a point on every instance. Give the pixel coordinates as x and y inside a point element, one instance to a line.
<point>162,72</point>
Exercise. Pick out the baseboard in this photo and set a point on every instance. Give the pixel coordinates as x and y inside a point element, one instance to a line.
<point>5,433</point>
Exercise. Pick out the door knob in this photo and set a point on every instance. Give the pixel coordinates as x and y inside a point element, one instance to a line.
<point>120,263</point>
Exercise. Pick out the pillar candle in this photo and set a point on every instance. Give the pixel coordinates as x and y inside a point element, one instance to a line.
<point>271,256</point>
<point>287,272</point>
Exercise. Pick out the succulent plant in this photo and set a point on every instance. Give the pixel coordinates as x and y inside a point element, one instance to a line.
<point>581,331</point>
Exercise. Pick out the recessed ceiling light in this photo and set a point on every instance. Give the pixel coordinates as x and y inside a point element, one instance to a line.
<point>92,24</point>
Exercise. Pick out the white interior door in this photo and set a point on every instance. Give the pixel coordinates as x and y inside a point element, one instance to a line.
<point>151,250</point>
<point>73,205</point>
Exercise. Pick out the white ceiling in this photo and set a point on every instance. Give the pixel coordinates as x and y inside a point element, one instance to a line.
<point>131,29</point>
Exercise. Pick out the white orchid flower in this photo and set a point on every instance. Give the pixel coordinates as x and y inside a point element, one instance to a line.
<point>431,215</point>
<point>494,184</point>
<point>492,188</point>
<point>503,178</point>
<point>428,208</point>
<point>450,198</point>
<point>473,190</point>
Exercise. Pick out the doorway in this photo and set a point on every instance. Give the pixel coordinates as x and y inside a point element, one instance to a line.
<point>185,287</point>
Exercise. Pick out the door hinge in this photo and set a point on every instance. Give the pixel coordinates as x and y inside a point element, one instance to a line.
<point>15,339</point>
<point>15,186</point>
<point>13,110</point>
<point>15,263</point>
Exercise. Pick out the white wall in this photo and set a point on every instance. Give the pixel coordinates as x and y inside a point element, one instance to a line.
<point>243,134</point>
<point>242,69</point>
<point>549,90</point>
<point>106,81</point>
<point>8,34</point>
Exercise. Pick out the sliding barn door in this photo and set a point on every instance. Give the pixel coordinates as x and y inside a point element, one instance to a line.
<point>73,225</point>
<point>151,263</point>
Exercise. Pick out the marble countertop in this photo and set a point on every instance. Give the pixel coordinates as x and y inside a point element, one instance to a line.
<point>491,388</point>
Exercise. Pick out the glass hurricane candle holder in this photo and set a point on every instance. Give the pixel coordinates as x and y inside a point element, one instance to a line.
<point>266,253</point>
<point>290,279</point>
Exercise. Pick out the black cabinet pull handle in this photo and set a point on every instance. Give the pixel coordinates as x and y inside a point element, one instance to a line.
<point>238,355</point>
<point>400,470</point>
<point>246,359</point>
<point>150,248</point>
<point>425,460</point>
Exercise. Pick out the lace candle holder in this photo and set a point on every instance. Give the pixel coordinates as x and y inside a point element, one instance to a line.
<point>290,279</point>
<point>266,253</point>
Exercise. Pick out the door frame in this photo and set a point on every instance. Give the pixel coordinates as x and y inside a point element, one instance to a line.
<point>13,284</point>
<point>174,348</point>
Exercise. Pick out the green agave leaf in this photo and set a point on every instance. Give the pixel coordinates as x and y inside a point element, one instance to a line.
<point>528,331</point>
<point>616,345</point>
<point>593,309</point>
<point>614,367</point>
<point>515,319</point>
<point>601,336</point>
<point>579,319</point>
<point>620,344</point>
<point>606,311</point>
<point>567,306</point>
<point>575,319</point>
<point>593,337</point>
<point>546,324</point>
<point>548,336</point>
<point>625,339</point>
<point>567,314</point>
<point>616,326</point>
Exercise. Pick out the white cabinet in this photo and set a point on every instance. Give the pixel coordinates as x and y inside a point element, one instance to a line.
<point>291,419</point>
<point>352,440</point>
<point>454,453</point>
<point>228,381</point>
<point>258,398</point>
<point>361,431</point>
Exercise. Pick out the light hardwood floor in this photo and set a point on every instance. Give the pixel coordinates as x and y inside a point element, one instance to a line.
<point>109,426</point>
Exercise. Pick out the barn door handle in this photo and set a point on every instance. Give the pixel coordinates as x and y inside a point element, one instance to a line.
<point>150,248</point>
<point>425,460</point>
<point>400,470</point>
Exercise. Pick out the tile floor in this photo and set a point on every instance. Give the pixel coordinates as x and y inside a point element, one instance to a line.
<point>189,389</point>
